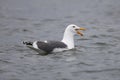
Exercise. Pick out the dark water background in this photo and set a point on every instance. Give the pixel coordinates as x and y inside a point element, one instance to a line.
<point>97,56</point>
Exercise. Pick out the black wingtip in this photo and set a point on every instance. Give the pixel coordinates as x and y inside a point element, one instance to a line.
<point>27,43</point>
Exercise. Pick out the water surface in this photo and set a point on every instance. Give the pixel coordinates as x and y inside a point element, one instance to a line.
<point>97,54</point>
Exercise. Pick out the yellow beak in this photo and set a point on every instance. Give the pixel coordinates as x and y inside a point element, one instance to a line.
<point>81,28</point>
<point>78,31</point>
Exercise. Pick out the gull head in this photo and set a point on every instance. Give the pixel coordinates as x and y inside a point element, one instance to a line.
<point>75,29</point>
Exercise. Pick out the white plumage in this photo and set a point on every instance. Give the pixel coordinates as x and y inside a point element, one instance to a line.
<point>56,46</point>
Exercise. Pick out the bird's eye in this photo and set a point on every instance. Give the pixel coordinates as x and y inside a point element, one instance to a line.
<point>73,26</point>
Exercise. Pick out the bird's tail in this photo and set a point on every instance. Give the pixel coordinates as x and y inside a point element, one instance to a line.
<point>28,43</point>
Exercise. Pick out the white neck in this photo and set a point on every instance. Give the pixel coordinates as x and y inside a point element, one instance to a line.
<point>68,38</point>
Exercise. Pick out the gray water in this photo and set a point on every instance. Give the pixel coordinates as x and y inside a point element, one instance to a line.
<point>97,53</point>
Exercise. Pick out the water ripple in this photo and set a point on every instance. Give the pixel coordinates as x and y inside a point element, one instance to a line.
<point>102,70</point>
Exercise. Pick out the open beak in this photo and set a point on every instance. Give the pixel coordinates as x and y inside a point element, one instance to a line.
<point>78,31</point>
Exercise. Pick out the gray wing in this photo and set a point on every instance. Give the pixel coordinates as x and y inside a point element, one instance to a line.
<point>50,45</point>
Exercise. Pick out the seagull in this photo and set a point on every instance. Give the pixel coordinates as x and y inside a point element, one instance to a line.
<point>66,43</point>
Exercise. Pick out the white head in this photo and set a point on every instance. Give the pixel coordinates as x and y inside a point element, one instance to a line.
<point>75,29</point>
<point>69,33</point>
